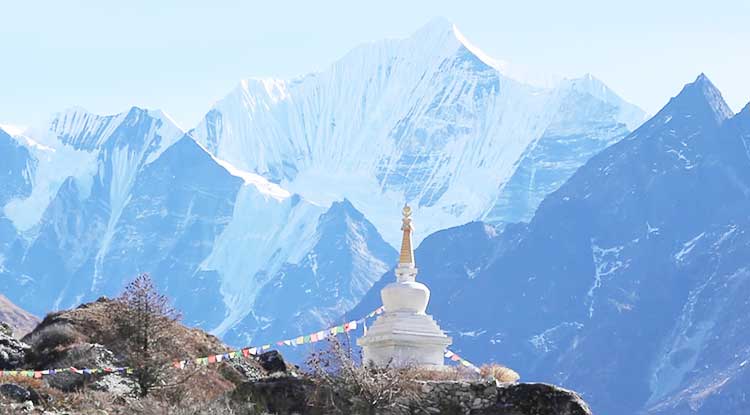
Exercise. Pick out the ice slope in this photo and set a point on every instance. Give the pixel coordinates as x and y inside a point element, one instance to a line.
<point>428,120</point>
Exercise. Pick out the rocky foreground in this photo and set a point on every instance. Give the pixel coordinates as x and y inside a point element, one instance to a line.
<point>262,384</point>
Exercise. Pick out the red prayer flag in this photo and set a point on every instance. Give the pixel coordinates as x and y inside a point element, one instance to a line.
<point>212,359</point>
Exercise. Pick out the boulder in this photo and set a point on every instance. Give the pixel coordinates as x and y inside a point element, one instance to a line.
<point>276,395</point>
<point>272,362</point>
<point>12,352</point>
<point>19,393</point>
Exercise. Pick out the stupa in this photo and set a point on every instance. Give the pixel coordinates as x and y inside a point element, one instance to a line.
<point>405,334</point>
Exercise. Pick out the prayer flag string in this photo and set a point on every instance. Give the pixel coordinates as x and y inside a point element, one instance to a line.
<point>245,352</point>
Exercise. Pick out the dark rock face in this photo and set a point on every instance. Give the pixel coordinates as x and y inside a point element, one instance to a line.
<point>12,352</point>
<point>630,283</point>
<point>538,399</point>
<point>279,395</point>
<point>272,361</point>
<point>19,393</point>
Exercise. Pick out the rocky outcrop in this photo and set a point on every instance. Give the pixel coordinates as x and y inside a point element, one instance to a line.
<point>538,399</point>
<point>19,393</point>
<point>90,355</point>
<point>12,352</point>
<point>272,362</point>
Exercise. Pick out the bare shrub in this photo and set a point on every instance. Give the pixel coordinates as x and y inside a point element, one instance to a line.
<point>342,386</point>
<point>500,373</point>
<point>142,319</point>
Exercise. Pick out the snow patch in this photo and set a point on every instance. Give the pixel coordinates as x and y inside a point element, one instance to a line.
<point>687,247</point>
<point>606,262</point>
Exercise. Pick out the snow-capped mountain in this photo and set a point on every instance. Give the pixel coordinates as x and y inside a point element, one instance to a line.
<point>630,284</point>
<point>428,120</point>
<point>106,198</point>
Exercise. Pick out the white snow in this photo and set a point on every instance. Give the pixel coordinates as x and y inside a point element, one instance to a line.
<point>650,229</point>
<point>58,161</point>
<point>54,166</point>
<point>544,341</point>
<point>606,262</point>
<point>687,247</point>
<point>260,183</point>
<point>472,333</point>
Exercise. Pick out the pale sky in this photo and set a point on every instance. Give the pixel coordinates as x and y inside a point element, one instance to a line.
<point>182,56</point>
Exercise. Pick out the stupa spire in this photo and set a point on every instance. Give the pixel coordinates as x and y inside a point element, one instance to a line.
<point>405,334</point>
<point>407,252</point>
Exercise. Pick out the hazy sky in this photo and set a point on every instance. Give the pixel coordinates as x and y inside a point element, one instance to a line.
<point>181,56</point>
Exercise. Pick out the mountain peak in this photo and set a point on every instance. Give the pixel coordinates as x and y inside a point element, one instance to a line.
<point>436,26</point>
<point>699,96</point>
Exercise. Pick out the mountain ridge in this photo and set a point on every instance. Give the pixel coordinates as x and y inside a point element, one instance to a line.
<point>644,255</point>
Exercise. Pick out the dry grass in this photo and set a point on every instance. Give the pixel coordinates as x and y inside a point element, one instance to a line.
<point>50,337</point>
<point>95,322</point>
<point>500,373</point>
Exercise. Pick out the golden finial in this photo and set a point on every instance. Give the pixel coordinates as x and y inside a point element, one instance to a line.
<point>407,254</point>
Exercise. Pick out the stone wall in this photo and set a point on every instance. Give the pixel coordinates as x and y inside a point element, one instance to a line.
<point>489,397</point>
<point>288,395</point>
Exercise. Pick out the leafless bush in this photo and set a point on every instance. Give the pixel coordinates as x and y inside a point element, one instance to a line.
<point>142,318</point>
<point>342,386</point>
